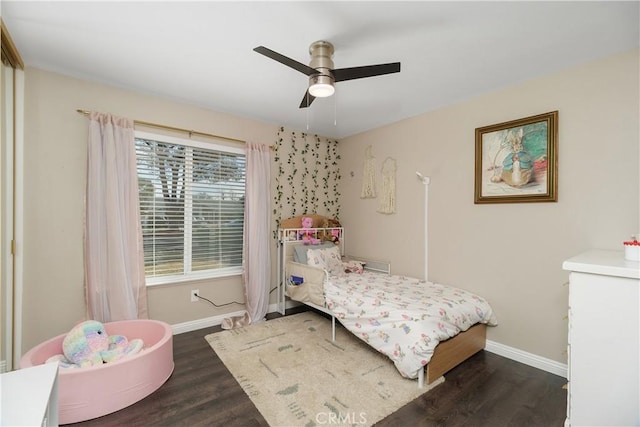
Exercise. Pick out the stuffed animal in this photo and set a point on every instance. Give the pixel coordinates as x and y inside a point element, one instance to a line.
<point>305,234</point>
<point>88,344</point>
<point>353,267</point>
<point>333,234</point>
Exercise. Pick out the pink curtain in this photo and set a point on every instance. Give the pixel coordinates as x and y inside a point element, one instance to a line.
<point>114,257</point>
<point>257,210</point>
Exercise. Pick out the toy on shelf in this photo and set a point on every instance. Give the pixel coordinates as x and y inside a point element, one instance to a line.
<point>333,233</point>
<point>632,248</point>
<point>307,235</point>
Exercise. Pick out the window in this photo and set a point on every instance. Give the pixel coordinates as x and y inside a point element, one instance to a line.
<point>191,208</point>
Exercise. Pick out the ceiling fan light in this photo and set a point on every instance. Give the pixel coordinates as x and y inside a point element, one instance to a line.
<point>321,90</point>
<point>321,86</point>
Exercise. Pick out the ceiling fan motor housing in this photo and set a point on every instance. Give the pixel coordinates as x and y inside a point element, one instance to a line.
<point>321,53</point>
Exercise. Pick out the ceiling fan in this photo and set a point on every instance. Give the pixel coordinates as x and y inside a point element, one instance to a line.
<point>322,75</point>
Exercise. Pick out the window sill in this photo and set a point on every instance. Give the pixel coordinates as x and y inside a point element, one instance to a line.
<point>194,277</point>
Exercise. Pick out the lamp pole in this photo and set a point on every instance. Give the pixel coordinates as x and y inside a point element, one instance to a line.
<point>426,181</point>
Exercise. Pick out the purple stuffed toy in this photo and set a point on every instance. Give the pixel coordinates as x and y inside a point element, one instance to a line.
<point>88,344</point>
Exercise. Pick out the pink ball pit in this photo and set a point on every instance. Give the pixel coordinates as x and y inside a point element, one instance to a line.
<point>86,393</point>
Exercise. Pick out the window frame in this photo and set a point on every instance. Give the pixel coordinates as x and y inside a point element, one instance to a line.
<point>218,145</point>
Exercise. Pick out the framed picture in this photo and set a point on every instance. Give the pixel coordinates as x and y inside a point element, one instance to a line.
<point>517,161</point>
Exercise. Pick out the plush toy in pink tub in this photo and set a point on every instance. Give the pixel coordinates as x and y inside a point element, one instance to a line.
<point>105,368</point>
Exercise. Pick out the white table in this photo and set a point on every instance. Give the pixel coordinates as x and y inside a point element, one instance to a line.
<point>29,397</point>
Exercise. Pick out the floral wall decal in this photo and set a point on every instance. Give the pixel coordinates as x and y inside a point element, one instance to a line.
<point>307,175</point>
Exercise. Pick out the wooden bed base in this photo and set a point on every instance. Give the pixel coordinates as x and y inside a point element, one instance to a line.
<point>450,353</point>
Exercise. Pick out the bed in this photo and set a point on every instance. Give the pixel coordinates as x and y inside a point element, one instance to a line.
<point>425,328</point>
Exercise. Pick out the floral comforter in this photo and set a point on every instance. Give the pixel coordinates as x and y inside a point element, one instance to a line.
<point>402,317</point>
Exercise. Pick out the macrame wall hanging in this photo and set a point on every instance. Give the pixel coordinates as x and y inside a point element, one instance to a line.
<point>368,176</point>
<point>388,198</point>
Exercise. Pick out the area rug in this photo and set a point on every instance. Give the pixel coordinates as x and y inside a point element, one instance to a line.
<point>297,376</point>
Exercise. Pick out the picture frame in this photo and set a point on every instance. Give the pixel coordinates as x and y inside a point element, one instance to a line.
<point>517,161</point>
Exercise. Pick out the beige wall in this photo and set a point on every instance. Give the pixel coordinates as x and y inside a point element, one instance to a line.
<point>510,253</point>
<point>55,167</point>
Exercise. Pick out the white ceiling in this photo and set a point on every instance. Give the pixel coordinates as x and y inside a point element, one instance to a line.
<point>202,53</point>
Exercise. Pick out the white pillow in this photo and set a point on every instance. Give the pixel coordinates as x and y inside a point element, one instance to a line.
<point>328,259</point>
<point>300,251</point>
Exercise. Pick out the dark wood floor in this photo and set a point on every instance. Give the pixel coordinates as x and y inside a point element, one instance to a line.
<point>486,390</point>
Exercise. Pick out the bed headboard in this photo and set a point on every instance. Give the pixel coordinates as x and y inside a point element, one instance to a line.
<point>318,221</point>
<point>290,235</point>
<point>324,229</point>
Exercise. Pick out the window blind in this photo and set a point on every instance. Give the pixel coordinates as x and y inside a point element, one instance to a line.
<point>192,209</point>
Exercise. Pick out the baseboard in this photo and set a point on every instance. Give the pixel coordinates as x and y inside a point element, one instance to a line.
<point>274,308</point>
<point>207,322</point>
<point>530,359</point>
<point>3,366</point>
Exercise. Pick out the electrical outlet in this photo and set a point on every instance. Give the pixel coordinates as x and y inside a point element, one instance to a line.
<point>194,295</point>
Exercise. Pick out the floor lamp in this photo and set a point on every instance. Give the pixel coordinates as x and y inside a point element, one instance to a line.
<point>426,181</point>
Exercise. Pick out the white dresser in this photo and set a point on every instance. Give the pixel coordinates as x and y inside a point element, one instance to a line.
<point>29,397</point>
<point>604,340</point>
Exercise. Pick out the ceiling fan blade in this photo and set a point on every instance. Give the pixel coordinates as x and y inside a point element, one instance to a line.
<point>342,74</point>
<point>305,69</point>
<point>307,99</point>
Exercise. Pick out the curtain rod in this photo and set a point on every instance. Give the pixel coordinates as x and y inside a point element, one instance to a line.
<point>190,132</point>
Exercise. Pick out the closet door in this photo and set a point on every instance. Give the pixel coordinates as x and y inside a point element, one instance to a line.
<point>11,124</point>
